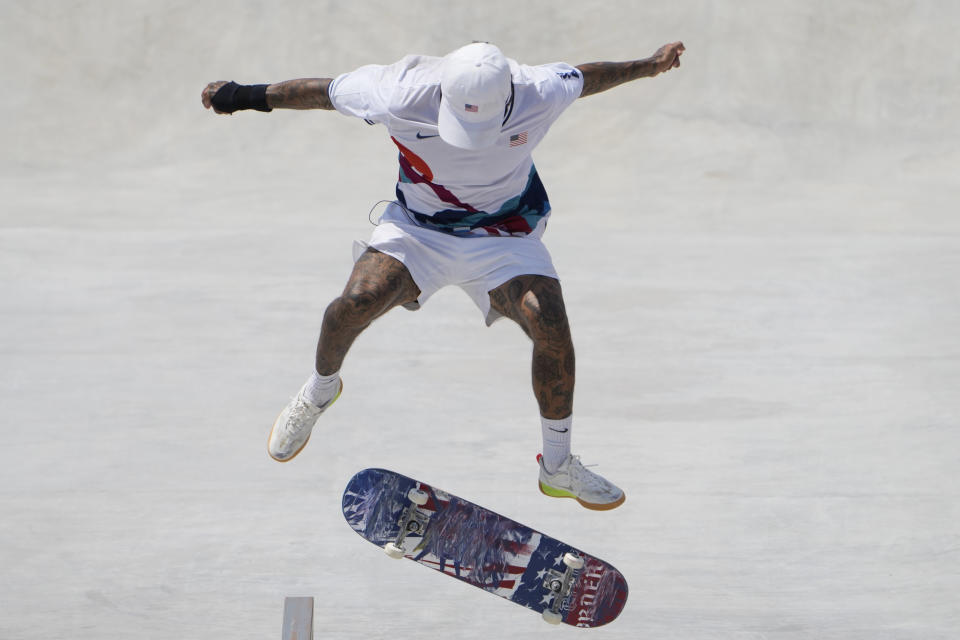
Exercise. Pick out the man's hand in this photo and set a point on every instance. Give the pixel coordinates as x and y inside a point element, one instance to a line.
<point>668,56</point>
<point>207,96</point>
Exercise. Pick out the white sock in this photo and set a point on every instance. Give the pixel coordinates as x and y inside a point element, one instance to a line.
<point>321,389</point>
<point>556,441</point>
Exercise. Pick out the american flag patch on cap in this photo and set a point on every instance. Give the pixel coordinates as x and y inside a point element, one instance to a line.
<point>472,108</point>
<point>518,139</point>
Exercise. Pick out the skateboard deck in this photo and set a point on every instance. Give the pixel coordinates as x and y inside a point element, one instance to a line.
<point>451,535</point>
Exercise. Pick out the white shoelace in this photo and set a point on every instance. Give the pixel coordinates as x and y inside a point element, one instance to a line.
<point>583,476</point>
<point>301,411</point>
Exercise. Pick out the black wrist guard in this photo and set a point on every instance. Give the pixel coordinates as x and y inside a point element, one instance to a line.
<point>236,97</point>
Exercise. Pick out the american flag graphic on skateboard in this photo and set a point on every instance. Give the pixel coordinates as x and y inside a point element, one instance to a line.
<point>451,535</point>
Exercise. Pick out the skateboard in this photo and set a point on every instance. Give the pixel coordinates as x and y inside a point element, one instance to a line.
<point>410,519</point>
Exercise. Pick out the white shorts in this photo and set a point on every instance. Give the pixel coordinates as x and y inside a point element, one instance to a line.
<point>476,264</point>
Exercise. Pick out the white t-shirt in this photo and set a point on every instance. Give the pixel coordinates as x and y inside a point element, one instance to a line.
<point>493,191</point>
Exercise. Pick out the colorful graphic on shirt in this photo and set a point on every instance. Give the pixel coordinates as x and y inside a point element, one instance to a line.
<point>415,170</point>
<point>414,161</point>
<point>517,216</point>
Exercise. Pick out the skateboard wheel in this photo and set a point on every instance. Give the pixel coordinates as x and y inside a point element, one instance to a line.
<point>551,616</point>
<point>393,550</point>
<point>573,561</point>
<point>418,497</point>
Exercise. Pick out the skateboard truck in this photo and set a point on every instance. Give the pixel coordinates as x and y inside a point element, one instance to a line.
<point>411,521</point>
<point>559,584</point>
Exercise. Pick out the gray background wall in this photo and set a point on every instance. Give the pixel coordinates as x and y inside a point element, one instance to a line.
<point>760,254</point>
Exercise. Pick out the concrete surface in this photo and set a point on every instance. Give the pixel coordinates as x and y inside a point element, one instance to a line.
<point>760,253</point>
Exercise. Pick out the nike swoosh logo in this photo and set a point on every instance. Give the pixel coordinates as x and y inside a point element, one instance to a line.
<point>558,430</point>
<point>420,136</point>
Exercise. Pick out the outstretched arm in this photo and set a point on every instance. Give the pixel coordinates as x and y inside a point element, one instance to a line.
<point>600,76</point>
<point>305,93</point>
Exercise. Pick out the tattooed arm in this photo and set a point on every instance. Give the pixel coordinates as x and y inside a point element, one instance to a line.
<point>600,76</point>
<point>306,93</point>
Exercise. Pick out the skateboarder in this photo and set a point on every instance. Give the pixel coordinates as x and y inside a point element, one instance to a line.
<point>470,211</point>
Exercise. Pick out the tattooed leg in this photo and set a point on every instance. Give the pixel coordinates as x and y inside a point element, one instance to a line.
<point>378,283</point>
<point>536,304</point>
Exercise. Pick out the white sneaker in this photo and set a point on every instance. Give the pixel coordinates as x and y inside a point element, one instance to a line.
<point>292,429</point>
<point>573,480</point>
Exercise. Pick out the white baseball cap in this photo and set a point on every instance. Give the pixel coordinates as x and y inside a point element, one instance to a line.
<point>476,83</point>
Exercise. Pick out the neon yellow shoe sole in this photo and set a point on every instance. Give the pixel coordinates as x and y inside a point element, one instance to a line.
<point>563,493</point>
